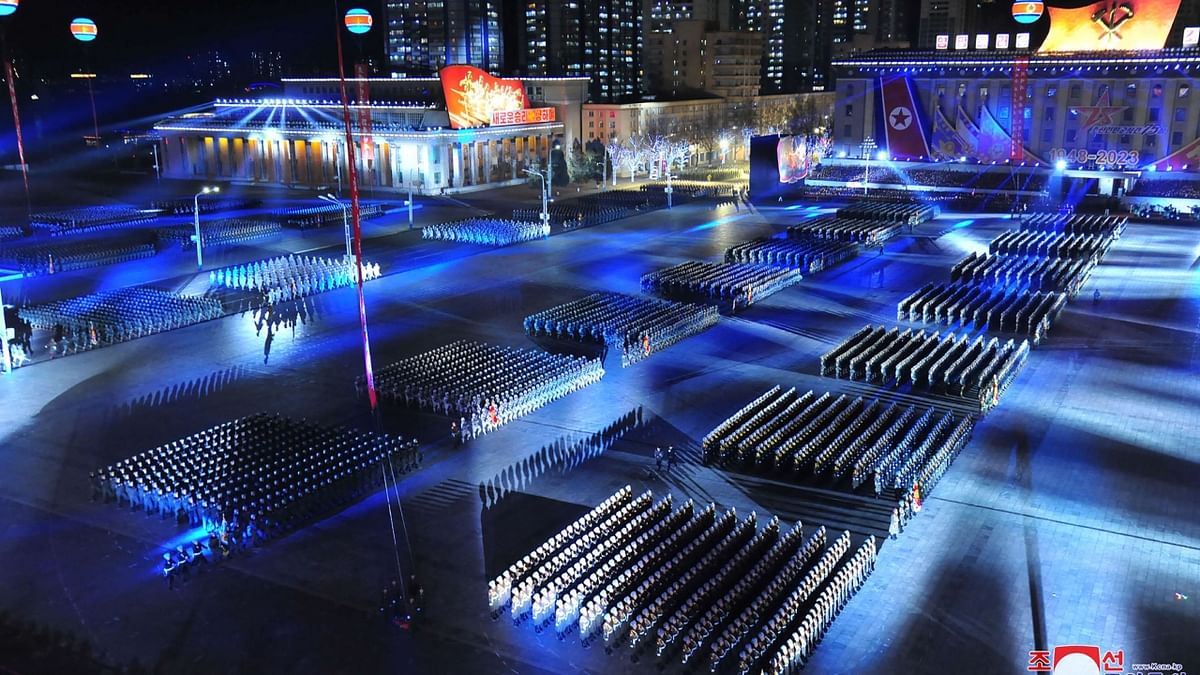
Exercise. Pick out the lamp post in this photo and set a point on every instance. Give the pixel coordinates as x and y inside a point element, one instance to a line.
<point>345,219</point>
<point>669,190</point>
<point>7,361</point>
<point>196,221</point>
<point>868,146</point>
<point>545,195</point>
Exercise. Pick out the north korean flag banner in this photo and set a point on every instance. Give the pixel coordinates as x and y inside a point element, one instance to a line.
<point>901,120</point>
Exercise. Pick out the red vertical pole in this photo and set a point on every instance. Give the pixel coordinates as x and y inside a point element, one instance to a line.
<point>12,97</point>
<point>354,216</point>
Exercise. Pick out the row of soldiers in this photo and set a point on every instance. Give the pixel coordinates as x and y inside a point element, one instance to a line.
<point>487,231</point>
<point>486,386</point>
<point>849,578</point>
<point>109,317</point>
<point>287,278</point>
<point>639,325</point>
<point>266,471</point>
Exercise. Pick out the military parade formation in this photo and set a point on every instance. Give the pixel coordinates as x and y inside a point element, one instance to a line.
<point>254,478</point>
<point>637,325</point>
<point>487,231</point>
<point>684,582</point>
<point>672,579</point>
<point>484,386</point>
<point>109,317</point>
<point>292,277</point>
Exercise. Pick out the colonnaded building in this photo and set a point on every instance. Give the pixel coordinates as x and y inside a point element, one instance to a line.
<point>1106,91</point>
<point>461,130</point>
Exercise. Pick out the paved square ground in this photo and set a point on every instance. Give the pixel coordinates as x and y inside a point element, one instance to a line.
<point>1070,517</point>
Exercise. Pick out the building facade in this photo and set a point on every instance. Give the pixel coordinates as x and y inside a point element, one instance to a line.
<point>1118,110</point>
<point>598,39</point>
<point>425,35</point>
<point>401,130</point>
<point>693,57</point>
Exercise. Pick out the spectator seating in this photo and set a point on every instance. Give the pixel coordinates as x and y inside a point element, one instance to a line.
<point>1177,188</point>
<point>995,309</point>
<point>486,231</point>
<point>638,325</point>
<point>903,213</point>
<point>109,317</point>
<point>855,230</point>
<point>809,256</point>
<point>265,471</point>
<point>976,370</point>
<point>486,385</point>
<point>784,431</point>
<point>326,214</point>
<point>219,233</point>
<point>11,232</point>
<point>88,219</point>
<point>720,283</point>
<point>678,579</point>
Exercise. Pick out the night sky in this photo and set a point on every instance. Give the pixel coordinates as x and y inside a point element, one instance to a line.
<point>157,35</point>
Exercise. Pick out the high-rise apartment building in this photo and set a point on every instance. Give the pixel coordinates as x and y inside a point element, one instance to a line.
<point>425,35</point>
<point>600,39</point>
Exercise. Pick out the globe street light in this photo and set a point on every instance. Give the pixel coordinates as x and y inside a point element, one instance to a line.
<point>345,219</point>
<point>196,221</point>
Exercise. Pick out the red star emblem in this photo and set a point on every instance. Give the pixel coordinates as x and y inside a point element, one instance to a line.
<point>900,118</point>
<point>1100,114</point>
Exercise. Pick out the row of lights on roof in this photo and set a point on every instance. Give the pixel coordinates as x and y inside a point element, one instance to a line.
<point>303,102</point>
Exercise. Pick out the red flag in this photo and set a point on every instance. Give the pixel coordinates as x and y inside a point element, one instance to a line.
<point>902,120</point>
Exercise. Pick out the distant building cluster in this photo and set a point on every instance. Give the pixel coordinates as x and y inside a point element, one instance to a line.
<point>634,49</point>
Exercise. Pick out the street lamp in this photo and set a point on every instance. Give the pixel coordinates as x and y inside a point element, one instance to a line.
<point>345,219</point>
<point>545,196</point>
<point>196,221</point>
<point>868,146</point>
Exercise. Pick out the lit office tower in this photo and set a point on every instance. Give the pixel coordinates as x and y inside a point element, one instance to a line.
<point>601,39</point>
<point>424,35</point>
